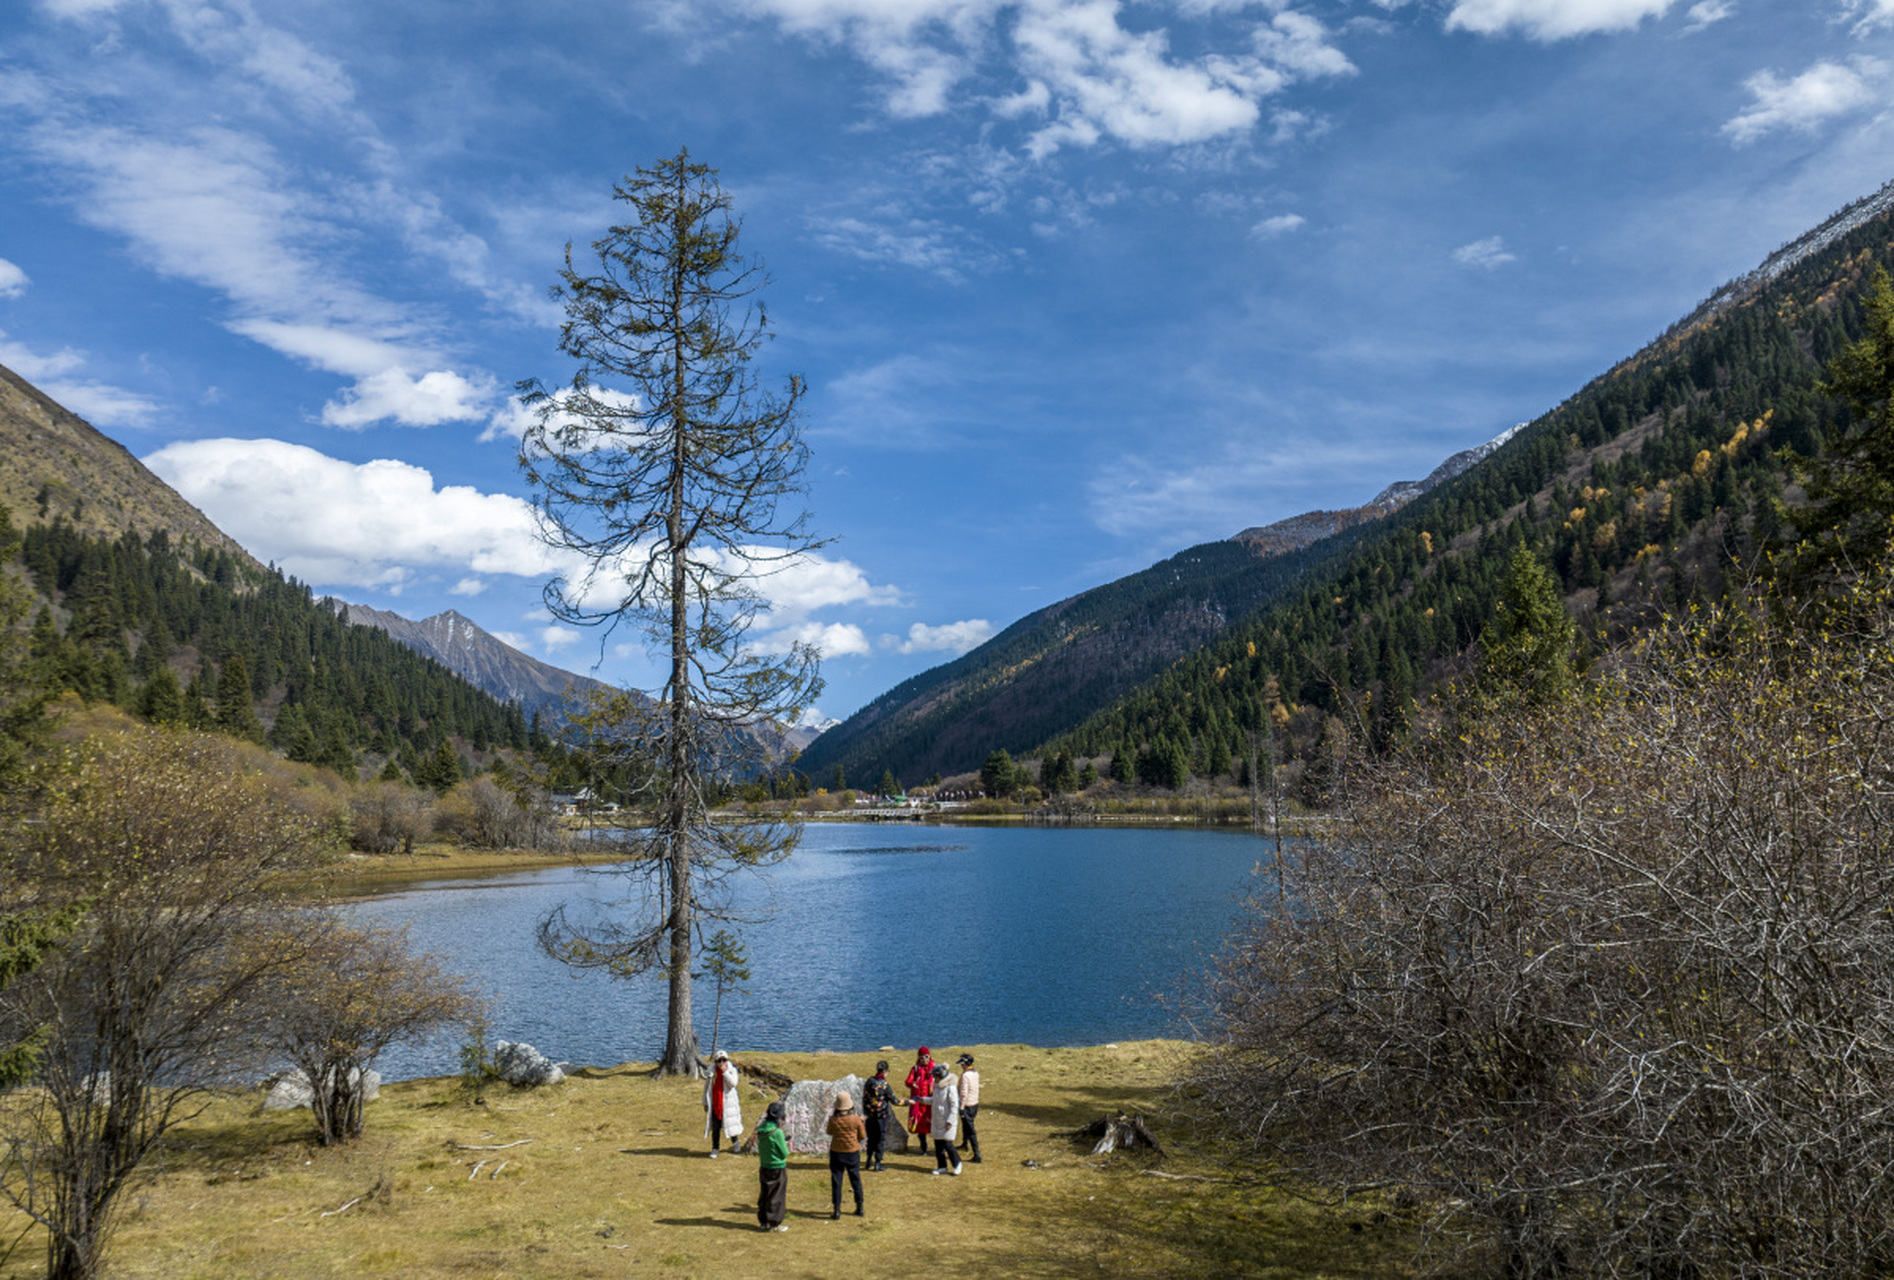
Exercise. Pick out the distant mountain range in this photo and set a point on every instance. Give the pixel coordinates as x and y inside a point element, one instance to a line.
<point>459,644</point>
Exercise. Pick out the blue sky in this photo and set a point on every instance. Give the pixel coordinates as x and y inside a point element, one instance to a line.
<point>1074,283</point>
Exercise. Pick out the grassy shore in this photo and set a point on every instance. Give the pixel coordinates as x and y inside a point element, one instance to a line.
<point>610,1179</point>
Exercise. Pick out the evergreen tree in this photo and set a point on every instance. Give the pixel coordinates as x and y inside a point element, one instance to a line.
<point>1851,482</point>
<point>235,714</point>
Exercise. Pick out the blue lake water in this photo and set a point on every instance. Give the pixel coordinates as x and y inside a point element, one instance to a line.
<point>876,935</point>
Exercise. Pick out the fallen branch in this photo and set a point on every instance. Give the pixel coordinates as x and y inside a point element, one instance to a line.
<point>1182,1177</point>
<point>461,1146</point>
<point>330,1213</point>
<point>756,1071</point>
<point>476,1172</point>
<point>496,1172</point>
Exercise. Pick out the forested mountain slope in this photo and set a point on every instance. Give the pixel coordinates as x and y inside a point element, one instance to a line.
<point>1645,491</point>
<point>1053,667</point>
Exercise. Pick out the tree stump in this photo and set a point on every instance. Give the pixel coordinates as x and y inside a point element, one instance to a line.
<point>1113,1133</point>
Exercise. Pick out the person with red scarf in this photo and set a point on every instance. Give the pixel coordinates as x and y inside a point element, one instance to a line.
<point>920,1087</point>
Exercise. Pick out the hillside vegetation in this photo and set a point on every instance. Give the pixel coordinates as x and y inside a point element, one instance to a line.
<point>1646,492</point>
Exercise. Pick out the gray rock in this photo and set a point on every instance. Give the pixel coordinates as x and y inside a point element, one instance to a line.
<point>807,1109</point>
<point>521,1064</point>
<point>291,1089</point>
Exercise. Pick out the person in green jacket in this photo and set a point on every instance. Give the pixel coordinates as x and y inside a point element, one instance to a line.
<point>772,1148</point>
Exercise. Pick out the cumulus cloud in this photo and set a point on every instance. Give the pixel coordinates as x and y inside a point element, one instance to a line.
<point>830,639</point>
<point>374,524</point>
<point>512,420</point>
<point>1549,20</point>
<point>440,396</point>
<point>1485,254</point>
<point>1087,75</point>
<point>99,403</point>
<point>949,637</point>
<point>1804,103</point>
<point>13,281</point>
<point>1281,224</point>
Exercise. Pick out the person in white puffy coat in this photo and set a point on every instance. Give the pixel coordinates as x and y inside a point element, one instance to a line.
<point>945,1126</point>
<point>723,1110</point>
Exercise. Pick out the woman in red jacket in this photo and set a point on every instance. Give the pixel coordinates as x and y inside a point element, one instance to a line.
<point>920,1087</point>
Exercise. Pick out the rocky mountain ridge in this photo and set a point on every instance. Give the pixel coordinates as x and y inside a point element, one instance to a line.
<point>1295,532</point>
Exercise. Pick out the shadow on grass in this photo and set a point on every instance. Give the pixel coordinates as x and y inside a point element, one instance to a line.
<point>721,1223</point>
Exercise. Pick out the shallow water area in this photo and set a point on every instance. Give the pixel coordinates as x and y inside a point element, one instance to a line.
<point>868,936</point>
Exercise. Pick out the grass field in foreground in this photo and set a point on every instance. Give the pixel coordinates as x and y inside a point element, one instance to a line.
<point>614,1182</point>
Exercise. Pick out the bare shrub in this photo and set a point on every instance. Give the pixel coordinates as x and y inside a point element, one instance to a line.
<point>388,817</point>
<point>1609,982</point>
<point>354,991</point>
<point>178,852</point>
<point>483,814</point>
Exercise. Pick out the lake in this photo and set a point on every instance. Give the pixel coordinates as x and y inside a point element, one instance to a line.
<point>876,934</point>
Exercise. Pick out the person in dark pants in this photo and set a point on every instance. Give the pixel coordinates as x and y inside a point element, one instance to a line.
<point>969,1107</point>
<point>945,1108</point>
<point>847,1134</point>
<point>772,1149</point>
<point>878,1113</point>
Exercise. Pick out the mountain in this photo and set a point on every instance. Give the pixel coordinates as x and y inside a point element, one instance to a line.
<point>1297,532</point>
<point>55,464</point>
<point>1060,664</point>
<point>1646,492</point>
<point>459,644</point>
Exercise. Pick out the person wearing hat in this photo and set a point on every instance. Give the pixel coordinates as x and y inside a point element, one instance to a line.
<point>878,1114</point>
<point>969,1107</point>
<point>920,1087</point>
<point>847,1136</point>
<point>772,1150</point>
<point>723,1109</point>
<point>946,1122</point>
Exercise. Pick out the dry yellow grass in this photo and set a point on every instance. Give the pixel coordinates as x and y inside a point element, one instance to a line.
<point>614,1182</point>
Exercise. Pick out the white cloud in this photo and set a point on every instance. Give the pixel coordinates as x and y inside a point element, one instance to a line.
<point>374,524</point>
<point>830,639</point>
<point>440,396</point>
<point>1281,224</point>
<point>1549,20</point>
<point>1824,91</point>
<point>1709,12</point>
<point>13,281</point>
<point>1084,72</point>
<point>1874,13</point>
<point>99,403</point>
<point>468,587</point>
<point>950,637</point>
<point>1486,254</point>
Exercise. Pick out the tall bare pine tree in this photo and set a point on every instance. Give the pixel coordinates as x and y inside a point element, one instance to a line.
<point>675,479</point>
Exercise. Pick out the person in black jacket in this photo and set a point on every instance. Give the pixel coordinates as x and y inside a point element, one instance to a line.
<point>878,1111</point>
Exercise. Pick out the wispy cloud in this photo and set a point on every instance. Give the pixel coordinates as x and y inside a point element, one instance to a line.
<point>99,403</point>
<point>216,204</point>
<point>1280,225</point>
<point>1485,254</point>
<point>1805,102</point>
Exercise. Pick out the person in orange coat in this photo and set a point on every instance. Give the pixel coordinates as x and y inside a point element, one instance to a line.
<point>920,1087</point>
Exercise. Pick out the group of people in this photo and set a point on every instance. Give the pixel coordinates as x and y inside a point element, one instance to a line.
<point>941,1106</point>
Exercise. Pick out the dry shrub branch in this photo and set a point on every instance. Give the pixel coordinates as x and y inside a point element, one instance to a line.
<point>1608,981</point>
